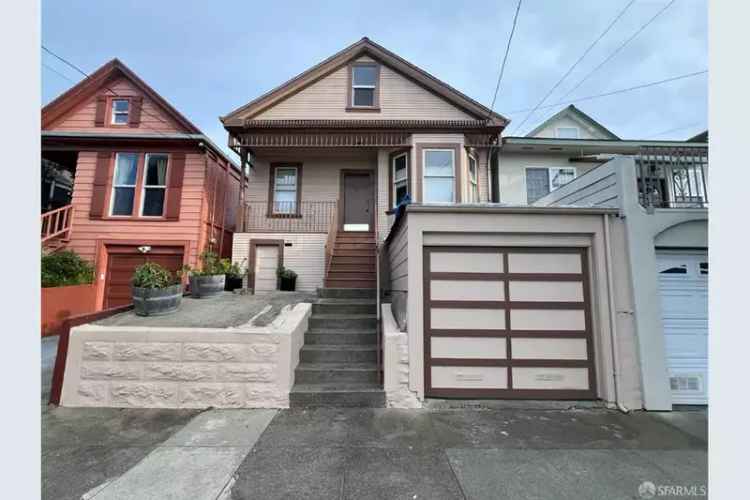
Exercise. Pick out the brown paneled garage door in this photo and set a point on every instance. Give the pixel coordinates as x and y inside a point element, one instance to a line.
<point>121,263</point>
<point>507,323</point>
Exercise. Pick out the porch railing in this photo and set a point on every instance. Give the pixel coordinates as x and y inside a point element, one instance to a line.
<point>331,240</point>
<point>57,223</point>
<point>672,177</point>
<point>290,217</point>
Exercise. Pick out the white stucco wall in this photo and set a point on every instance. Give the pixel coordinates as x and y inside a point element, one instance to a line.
<point>396,364</point>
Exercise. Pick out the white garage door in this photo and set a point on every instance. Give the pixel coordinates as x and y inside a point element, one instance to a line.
<point>683,286</point>
<point>507,323</point>
<point>266,262</point>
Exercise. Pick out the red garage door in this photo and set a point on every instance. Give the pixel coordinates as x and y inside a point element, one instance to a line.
<point>121,263</point>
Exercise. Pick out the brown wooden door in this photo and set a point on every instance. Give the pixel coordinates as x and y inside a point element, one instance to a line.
<point>358,201</point>
<point>121,264</point>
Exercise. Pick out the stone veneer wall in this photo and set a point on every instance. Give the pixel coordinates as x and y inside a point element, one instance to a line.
<point>396,364</point>
<point>143,367</point>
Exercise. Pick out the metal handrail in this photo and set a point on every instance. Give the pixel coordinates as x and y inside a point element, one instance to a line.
<point>331,240</point>
<point>672,177</point>
<point>57,222</point>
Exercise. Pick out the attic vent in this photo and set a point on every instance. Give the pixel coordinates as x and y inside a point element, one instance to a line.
<point>685,383</point>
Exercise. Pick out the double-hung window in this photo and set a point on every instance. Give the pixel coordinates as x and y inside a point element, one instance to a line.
<point>285,186</point>
<point>540,181</point>
<point>120,110</point>
<point>123,184</point>
<point>400,176</point>
<point>154,185</point>
<point>473,183</point>
<point>364,85</point>
<point>439,176</point>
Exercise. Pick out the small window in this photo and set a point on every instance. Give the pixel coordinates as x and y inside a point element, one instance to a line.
<point>439,176</point>
<point>540,181</point>
<point>558,177</point>
<point>567,132</point>
<point>154,185</point>
<point>123,183</point>
<point>364,83</point>
<point>120,110</point>
<point>703,267</point>
<point>473,184</point>
<point>681,269</point>
<point>400,187</point>
<point>285,190</point>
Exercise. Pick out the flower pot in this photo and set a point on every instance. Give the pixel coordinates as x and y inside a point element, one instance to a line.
<point>157,301</point>
<point>207,286</point>
<point>233,283</point>
<point>287,284</point>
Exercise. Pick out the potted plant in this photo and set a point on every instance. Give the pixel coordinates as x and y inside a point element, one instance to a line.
<point>156,291</point>
<point>234,274</point>
<point>287,279</point>
<point>209,280</point>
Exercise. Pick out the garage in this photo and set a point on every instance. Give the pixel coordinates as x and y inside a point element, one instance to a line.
<point>122,261</point>
<point>507,322</point>
<point>683,287</point>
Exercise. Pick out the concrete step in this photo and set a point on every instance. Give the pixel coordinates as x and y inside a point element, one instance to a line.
<point>341,353</point>
<point>363,274</point>
<point>340,337</point>
<point>346,293</point>
<point>353,321</point>
<point>350,283</point>
<point>361,395</point>
<point>344,306</point>
<point>315,373</point>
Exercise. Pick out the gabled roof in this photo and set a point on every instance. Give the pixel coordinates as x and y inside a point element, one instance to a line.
<point>702,137</point>
<point>85,89</point>
<point>365,46</point>
<point>575,113</point>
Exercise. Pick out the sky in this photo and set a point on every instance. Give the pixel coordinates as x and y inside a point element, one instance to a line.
<point>208,58</point>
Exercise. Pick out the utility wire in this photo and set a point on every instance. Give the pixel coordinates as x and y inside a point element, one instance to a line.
<point>617,50</point>
<point>505,58</point>
<point>575,64</point>
<point>62,75</point>
<point>691,125</point>
<point>613,92</point>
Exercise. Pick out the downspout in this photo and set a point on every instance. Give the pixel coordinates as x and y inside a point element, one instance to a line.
<point>612,316</point>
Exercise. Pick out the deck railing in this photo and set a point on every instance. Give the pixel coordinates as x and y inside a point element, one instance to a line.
<point>672,177</point>
<point>57,223</point>
<point>289,217</point>
<point>331,240</point>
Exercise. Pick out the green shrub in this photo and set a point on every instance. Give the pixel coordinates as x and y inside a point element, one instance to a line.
<point>152,275</point>
<point>211,265</point>
<point>65,268</point>
<point>285,273</point>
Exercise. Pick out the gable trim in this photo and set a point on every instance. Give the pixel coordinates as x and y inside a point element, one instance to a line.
<point>576,114</point>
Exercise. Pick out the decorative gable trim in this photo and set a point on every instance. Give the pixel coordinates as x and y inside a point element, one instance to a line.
<point>577,115</point>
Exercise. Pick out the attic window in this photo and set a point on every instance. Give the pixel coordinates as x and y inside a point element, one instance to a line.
<point>567,133</point>
<point>364,86</point>
<point>120,110</point>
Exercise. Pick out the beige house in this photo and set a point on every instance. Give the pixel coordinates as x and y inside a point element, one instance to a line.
<point>484,295</point>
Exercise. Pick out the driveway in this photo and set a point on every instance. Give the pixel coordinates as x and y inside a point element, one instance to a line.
<point>371,453</point>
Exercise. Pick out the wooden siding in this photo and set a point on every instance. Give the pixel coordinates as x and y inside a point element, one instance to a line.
<point>597,187</point>
<point>400,98</point>
<point>153,118</point>
<point>398,260</point>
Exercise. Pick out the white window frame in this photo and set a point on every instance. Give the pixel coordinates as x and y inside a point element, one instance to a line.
<point>425,176</point>
<point>355,86</point>
<point>577,129</point>
<point>549,176</point>
<point>116,113</point>
<point>114,185</point>
<point>473,181</point>
<point>397,181</point>
<point>143,185</point>
<point>575,174</point>
<point>296,187</point>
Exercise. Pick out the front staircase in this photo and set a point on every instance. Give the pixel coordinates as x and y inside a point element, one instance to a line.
<point>352,261</point>
<point>339,360</point>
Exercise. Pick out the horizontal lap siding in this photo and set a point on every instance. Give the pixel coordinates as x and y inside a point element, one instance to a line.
<point>595,187</point>
<point>398,260</point>
<point>86,231</point>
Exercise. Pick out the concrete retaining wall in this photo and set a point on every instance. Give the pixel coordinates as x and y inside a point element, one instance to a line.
<point>396,364</point>
<point>143,367</point>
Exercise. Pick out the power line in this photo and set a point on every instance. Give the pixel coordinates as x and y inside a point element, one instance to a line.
<point>575,64</point>
<point>613,92</point>
<point>47,66</point>
<point>674,130</point>
<point>617,50</point>
<point>505,58</point>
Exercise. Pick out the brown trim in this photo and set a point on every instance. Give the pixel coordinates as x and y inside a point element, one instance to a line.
<point>272,179</point>
<point>361,124</point>
<point>510,363</point>
<point>350,107</point>
<point>457,165</point>
<point>392,156</point>
<point>342,195</point>
<point>110,111</point>
<point>251,259</point>
<point>562,394</point>
<point>508,341</point>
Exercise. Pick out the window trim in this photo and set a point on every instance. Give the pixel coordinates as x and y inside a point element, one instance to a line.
<point>549,178</point>
<point>577,129</point>
<point>473,184</point>
<point>111,108</point>
<point>350,88</point>
<point>454,176</point>
<point>270,213</point>
<point>138,157</point>
<point>165,187</point>
<point>392,175</point>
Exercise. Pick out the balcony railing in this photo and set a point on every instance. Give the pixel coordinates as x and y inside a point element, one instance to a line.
<point>672,177</point>
<point>57,223</point>
<point>290,217</point>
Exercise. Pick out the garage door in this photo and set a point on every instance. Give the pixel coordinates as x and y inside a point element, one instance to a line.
<point>507,323</point>
<point>683,286</point>
<point>121,263</point>
<point>266,263</point>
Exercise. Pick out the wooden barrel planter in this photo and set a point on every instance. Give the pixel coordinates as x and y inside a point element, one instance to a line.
<point>157,301</point>
<point>207,286</point>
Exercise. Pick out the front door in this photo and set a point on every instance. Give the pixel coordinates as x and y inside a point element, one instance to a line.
<point>358,201</point>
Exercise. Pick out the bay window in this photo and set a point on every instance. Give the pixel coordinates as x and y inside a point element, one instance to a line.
<point>400,176</point>
<point>439,176</point>
<point>473,184</point>
<point>123,184</point>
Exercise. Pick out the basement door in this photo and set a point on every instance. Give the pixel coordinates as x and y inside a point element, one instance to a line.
<point>357,188</point>
<point>507,323</point>
<point>266,263</point>
<point>683,287</point>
